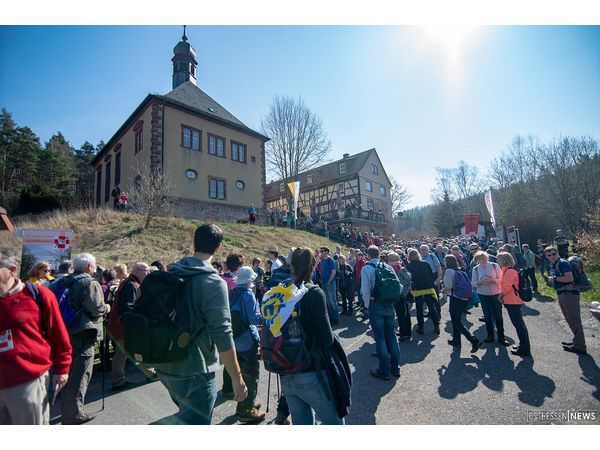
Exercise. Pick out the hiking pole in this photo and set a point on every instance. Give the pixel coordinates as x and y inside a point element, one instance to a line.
<point>268,391</point>
<point>278,395</point>
<point>104,362</point>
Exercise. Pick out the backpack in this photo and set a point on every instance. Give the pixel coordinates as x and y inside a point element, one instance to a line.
<point>238,324</point>
<point>158,330</point>
<point>387,286</point>
<point>286,353</point>
<point>580,279</point>
<point>62,290</point>
<point>405,279</point>
<point>524,290</point>
<point>462,286</point>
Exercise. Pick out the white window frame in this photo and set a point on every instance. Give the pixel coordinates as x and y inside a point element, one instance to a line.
<point>342,167</point>
<point>368,186</point>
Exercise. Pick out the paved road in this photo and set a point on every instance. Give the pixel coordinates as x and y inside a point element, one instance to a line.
<point>439,384</point>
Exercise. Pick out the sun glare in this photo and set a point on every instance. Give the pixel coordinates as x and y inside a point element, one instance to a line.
<point>452,39</point>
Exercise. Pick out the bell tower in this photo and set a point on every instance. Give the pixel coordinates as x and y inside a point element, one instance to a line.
<point>184,62</point>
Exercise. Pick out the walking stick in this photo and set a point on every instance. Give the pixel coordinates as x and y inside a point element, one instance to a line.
<point>278,395</point>
<point>268,391</point>
<point>104,362</point>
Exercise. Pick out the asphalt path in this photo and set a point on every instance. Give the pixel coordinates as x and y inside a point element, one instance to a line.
<point>439,384</point>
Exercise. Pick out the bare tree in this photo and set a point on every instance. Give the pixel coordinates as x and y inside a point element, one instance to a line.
<point>152,194</point>
<point>298,138</point>
<point>400,196</point>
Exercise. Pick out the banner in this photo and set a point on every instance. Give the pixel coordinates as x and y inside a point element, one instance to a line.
<point>490,207</point>
<point>471,224</point>
<point>295,190</point>
<point>45,245</point>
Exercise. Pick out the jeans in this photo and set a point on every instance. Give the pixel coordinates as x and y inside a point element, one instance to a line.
<point>332,305</point>
<point>347,297</point>
<point>514,312</point>
<point>307,394</point>
<point>383,320</point>
<point>195,396</point>
<point>433,310</point>
<point>492,311</point>
<point>530,273</point>
<point>457,308</point>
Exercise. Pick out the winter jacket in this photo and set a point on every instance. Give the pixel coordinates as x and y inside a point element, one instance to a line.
<point>32,342</point>
<point>86,296</point>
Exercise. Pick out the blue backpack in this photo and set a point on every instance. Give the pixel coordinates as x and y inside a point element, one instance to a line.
<point>61,290</point>
<point>462,286</point>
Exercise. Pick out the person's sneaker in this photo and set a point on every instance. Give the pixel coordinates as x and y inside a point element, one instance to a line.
<point>476,344</point>
<point>377,374</point>
<point>81,420</point>
<point>567,344</point>
<point>250,415</point>
<point>503,342</point>
<point>280,419</point>
<point>515,347</point>
<point>122,387</point>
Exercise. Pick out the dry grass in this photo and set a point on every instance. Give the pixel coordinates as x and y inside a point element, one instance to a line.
<point>115,237</point>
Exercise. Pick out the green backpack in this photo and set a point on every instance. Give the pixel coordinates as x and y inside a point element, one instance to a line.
<point>387,285</point>
<point>405,279</point>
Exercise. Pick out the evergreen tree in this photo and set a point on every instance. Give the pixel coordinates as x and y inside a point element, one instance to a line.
<point>443,217</point>
<point>56,169</point>
<point>8,134</point>
<point>84,172</point>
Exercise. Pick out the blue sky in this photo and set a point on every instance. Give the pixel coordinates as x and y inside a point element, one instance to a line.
<point>408,91</point>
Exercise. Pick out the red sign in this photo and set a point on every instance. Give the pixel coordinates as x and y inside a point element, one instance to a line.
<point>62,242</point>
<point>471,223</point>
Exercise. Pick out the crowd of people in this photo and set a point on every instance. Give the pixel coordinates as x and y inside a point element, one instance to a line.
<point>237,308</point>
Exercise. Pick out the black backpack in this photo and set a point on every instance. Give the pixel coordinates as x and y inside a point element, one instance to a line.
<point>158,330</point>
<point>524,290</point>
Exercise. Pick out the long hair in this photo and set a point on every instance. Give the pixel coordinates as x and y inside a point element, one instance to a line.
<point>302,265</point>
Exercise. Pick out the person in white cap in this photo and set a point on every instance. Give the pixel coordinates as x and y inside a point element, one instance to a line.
<point>245,315</point>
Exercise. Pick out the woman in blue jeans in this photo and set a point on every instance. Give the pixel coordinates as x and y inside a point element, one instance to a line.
<point>305,391</point>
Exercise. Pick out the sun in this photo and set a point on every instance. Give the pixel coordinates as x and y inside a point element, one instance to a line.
<point>453,39</point>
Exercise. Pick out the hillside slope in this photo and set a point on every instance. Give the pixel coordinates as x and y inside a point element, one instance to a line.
<point>114,237</point>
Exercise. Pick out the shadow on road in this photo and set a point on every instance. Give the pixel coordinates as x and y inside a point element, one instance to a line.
<point>367,391</point>
<point>416,350</point>
<point>590,373</point>
<point>527,310</point>
<point>356,328</point>
<point>535,388</point>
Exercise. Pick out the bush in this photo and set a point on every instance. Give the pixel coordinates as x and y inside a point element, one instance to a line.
<point>37,199</point>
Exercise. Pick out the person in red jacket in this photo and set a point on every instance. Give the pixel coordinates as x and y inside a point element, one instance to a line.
<point>31,340</point>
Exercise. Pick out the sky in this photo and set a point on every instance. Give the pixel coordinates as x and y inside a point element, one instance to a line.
<point>423,96</point>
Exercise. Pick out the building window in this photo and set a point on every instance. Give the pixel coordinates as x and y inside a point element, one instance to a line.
<point>216,188</point>
<point>238,152</point>
<point>99,186</point>
<point>374,169</point>
<point>191,174</point>
<point>309,179</point>
<point>139,141</point>
<point>190,138</point>
<point>370,204</point>
<point>342,167</point>
<point>107,183</point>
<point>216,145</point>
<point>281,187</point>
<point>118,169</point>
<point>382,190</point>
<point>369,186</point>
<point>341,187</point>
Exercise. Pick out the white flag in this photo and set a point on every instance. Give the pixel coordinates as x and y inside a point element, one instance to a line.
<point>489,203</point>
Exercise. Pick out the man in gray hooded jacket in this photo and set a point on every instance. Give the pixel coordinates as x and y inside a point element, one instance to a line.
<point>191,380</point>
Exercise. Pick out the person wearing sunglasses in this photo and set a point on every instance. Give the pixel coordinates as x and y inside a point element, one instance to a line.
<point>39,274</point>
<point>563,281</point>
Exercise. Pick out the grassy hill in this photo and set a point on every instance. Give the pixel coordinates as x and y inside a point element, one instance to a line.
<point>115,237</point>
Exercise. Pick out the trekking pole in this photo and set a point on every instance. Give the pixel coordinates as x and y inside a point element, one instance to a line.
<point>268,391</point>
<point>104,362</point>
<point>278,395</point>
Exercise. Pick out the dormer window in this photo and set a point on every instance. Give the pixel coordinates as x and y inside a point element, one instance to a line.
<point>374,169</point>
<point>342,167</point>
<point>309,179</point>
<point>281,187</point>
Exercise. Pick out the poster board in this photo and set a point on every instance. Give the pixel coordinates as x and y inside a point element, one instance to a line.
<point>45,245</point>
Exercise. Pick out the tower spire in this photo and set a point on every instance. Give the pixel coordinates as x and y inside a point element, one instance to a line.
<point>184,37</point>
<point>184,62</point>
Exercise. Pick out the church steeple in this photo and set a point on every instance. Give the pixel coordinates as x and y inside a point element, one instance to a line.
<point>184,62</point>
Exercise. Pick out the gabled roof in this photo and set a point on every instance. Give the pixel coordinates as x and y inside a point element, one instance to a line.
<point>325,174</point>
<point>190,97</point>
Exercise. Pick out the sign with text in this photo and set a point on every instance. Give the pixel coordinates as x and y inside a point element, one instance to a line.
<point>46,245</point>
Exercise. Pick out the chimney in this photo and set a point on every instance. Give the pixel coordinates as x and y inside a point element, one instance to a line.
<point>346,155</point>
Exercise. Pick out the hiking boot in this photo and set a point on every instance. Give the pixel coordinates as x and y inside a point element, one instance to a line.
<point>250,415</point>
<point>281,420</point>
